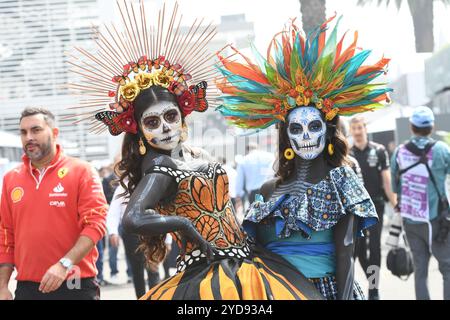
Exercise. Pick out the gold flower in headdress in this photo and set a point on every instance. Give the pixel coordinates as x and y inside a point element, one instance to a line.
<point>144,80</point>
<point>161,79</point>
<point>130,91</point>
<point>319,104</point>
<point>331,114</point>
<point>299,101</point>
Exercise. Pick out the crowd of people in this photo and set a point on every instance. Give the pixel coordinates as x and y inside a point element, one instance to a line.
<point>310,210</point>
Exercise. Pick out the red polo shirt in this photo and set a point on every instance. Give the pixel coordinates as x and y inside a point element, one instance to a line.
<point>42,214</point>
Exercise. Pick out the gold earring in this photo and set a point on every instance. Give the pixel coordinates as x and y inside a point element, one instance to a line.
<point>330,149</point>
<point>142,148</point>
<point>184,133</point>
<point>289,153</point>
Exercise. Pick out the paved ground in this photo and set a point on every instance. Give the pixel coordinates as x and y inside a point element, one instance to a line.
<point>391,287</point>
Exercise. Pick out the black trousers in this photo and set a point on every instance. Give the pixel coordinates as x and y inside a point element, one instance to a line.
<point>136,258</point>
<point>171,259</point>
<point>252,195</point>
<point>368,248</point>
<point>88,290</point>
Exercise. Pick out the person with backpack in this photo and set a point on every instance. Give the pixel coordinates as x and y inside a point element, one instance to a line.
<point>419,168</point>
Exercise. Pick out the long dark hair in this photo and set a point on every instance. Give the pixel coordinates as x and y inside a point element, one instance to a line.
<point>334,136</point>
<point>129,168</point>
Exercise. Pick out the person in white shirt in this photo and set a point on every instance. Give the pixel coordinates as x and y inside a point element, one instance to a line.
<point>254,169</point>
<point>232,177</point>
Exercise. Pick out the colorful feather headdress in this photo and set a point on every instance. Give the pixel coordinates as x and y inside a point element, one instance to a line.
<point>135,56</point>
<point>298,71</point>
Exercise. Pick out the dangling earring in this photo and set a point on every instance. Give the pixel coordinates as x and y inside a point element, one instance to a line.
<point>289,153</point>
<point>184,133</point>
<point>330,149</point>
<point>142,148</point>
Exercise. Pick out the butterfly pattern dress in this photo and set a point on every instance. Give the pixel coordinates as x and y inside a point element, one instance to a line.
<point>239,270</point>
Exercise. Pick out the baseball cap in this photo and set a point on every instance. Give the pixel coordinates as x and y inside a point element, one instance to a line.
<point>422,117</point>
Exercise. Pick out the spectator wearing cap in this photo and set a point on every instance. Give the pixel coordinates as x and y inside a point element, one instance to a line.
<point>421,192</point>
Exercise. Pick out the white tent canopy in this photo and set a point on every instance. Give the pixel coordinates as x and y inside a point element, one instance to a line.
<point>385,118</point>
<point>9,140</point>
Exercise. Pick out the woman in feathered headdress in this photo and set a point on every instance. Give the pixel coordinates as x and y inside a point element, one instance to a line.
<point>316,205</point>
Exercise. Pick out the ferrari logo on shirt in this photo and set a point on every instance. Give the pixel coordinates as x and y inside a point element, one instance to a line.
<point>62,172</point>
<point>17,194</point>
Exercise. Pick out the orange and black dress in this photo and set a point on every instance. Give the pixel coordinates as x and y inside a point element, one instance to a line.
<point>239,270</point>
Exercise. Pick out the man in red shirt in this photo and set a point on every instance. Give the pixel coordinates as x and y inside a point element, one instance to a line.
<point>52,214</point>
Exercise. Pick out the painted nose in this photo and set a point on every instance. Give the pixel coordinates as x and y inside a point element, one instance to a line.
<point>306,136</point>
<point>166,128</point>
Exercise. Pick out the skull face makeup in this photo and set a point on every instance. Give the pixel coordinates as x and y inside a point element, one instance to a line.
<point>162,126</point>
<point>306,131</point>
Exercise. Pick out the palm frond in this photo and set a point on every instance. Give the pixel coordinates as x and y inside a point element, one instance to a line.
<point>398,3</point>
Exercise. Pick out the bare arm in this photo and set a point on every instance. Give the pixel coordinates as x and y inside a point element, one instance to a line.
<point>81,248</point>
<point>57,273</point>
<point>6,271</point>
<point>386,176</point>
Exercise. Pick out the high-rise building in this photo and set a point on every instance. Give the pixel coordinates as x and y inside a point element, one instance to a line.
<point>35,36</point>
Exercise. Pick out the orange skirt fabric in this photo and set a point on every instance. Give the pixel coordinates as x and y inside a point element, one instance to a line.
<point>262,276</point>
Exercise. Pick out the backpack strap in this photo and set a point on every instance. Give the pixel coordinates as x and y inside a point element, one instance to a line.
<point>422,154</point>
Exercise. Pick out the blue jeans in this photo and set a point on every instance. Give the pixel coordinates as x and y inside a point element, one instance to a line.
<point>112,254</point>
<point>129,270</point>
<point>99,262</point>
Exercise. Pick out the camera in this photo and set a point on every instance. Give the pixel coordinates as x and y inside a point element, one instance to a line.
<point>444,221</point>
<point>395,230</point>
<point>444,228</point>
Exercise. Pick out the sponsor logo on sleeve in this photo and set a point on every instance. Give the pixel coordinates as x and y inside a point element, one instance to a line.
<point>17,194</point>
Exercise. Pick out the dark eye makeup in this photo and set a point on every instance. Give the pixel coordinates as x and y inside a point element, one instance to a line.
<point>171,116</point>
<point>315,126</point>
<point>295,128</point>
<point>153,122</point>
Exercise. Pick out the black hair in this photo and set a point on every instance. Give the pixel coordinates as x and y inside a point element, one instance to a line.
<point>426,131</point>
<point>149,97</point>
<point>49,117</point>
<point>129,167</point>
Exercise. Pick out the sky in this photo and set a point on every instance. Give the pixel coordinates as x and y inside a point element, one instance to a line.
<point>384,30</point>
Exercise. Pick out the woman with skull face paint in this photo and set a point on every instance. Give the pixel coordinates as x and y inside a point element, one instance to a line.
<point>311,213</point>
<point>151,100</point>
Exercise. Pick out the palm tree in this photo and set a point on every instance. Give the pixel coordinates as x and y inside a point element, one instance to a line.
<point>313,13</point>
<point>422,15</point>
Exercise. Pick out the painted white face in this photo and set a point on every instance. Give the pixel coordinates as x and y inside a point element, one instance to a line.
<point>306,132</point>
<point>162,126</point>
